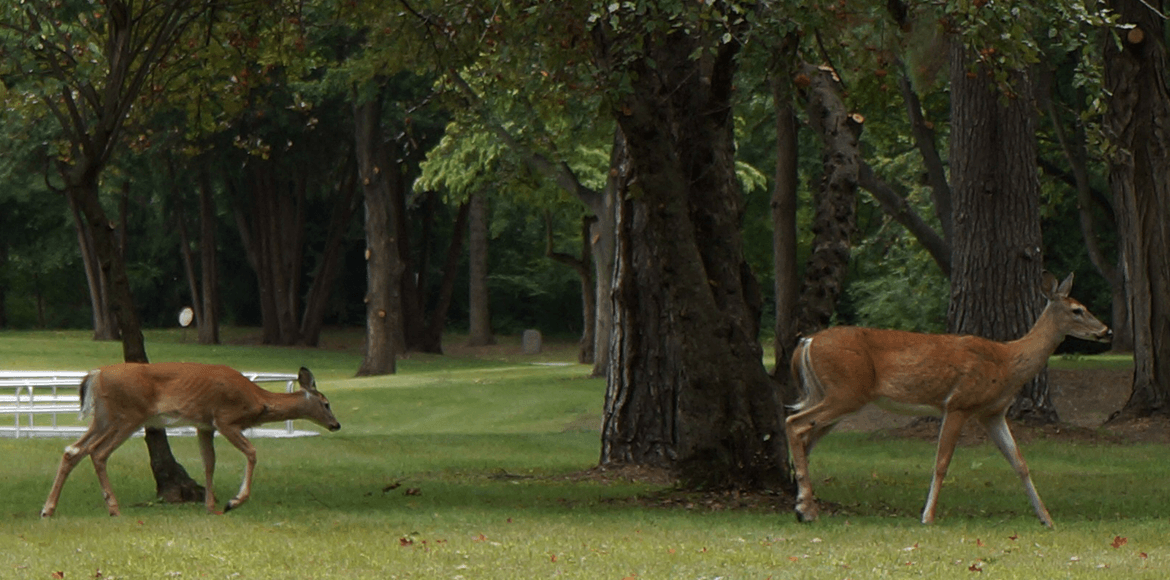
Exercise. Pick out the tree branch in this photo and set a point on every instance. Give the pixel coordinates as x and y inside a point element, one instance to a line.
<point>896,207</point>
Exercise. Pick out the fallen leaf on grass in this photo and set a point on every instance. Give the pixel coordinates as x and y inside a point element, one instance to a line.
<point>976,566</point>
<point>404,541</point>
<point>412,491</point>
<point>394,485</point>
<point>58,575</point>
<point>1119,541</point>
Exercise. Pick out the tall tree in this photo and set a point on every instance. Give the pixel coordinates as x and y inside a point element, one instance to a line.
<point>687,389</point>
<point>1139,175</point>
<point>997,255</point>
<point>88,70</point>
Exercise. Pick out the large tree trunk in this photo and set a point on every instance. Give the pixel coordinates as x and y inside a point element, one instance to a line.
<point>377,174</point>
<point>687,389</point>
<point>479,304</point>
<point>997,255</point>
<point>1139,175</point>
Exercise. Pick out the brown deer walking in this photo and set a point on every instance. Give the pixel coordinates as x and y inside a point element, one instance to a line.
<point>842,369</point>
<point>126,397</point>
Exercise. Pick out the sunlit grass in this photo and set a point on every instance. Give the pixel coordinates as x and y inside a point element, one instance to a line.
<point>462,468</point>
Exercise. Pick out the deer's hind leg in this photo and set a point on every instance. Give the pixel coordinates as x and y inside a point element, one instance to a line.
<point>804,429</point>
<point>73,455</point>
<point>106,444</point>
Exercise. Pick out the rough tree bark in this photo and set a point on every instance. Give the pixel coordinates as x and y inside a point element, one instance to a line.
<point>1139,175</point>
<point>997,254</point>
<point>687,389</point>
<point>836,199</point>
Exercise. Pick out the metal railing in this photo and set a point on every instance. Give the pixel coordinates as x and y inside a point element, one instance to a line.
<point>27,395</point>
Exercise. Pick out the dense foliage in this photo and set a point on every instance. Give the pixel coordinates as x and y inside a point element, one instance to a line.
<point>269,84</point>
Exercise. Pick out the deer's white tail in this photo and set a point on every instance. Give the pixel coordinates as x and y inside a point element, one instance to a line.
<point>812,390</point>
<point>87,394</point>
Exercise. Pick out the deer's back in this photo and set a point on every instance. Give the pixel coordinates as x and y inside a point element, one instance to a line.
<point>905,367</point>
<point>175,393</point>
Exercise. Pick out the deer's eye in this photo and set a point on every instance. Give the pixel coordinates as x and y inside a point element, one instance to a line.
<point>1078,311</point>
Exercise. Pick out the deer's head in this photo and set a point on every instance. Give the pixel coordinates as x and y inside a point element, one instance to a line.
<point>1072,317</point>
<point>318,410</point>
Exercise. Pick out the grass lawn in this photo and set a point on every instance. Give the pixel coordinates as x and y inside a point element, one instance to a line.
<point>461,467</point>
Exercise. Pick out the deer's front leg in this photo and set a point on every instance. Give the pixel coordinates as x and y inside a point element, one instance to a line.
<point>236,437</point>
<point>998,431</point>
<point>207,451</point>
<point>948,436</point>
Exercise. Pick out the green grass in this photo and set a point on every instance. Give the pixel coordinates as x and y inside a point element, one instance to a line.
<point>484,445</point>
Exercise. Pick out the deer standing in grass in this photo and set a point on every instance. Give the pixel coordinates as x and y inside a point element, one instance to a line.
<point>126,397</point>
<point>842,369</point>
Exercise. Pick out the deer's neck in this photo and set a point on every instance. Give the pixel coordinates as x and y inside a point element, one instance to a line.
<point>1030,352</point>
<point>281,406</point>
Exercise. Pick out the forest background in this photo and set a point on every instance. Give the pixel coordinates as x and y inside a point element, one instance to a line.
<point>267,92</point>
<point>223,155</point>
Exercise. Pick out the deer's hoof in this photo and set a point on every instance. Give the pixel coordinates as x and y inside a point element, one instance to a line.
<point>806,514</point>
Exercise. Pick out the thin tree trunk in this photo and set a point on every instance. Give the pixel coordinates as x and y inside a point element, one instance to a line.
<point>209,263</point>
<point>433,335</point>
<point>479,300</point>
<point>344,207</point>
<point>104,327</point>
<point>173,484</point>
<point>583,266</point>
<point>784,261</point>
<point>383,266</point>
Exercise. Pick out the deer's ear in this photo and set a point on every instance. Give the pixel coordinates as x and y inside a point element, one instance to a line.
<point>305,378</point>
<point>1048,285</point>
<point>1065,287</point>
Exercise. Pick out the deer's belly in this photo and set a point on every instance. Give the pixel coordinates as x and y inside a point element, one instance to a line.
<point>892,406</point>
<point>165,420</point>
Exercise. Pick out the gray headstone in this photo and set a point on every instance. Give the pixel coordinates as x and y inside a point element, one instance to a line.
<point>530,342</point>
